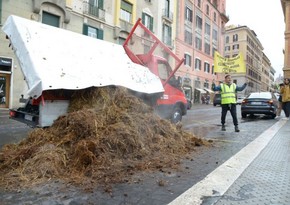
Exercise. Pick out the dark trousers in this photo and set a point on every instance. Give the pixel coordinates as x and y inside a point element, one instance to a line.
<point>286,108</point>
<point>233,110</point>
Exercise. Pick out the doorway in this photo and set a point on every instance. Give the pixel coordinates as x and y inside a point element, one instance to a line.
<point>4,90</point>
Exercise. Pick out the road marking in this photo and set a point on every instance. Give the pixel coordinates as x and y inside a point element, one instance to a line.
<point>218,181</point>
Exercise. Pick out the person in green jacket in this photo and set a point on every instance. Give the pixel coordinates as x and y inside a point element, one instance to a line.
<point>228,92</point>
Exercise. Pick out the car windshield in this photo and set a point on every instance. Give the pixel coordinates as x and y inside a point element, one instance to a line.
<point>260,95</point>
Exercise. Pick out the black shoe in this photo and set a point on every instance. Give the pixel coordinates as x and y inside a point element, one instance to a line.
<point>237,129</point>
<point>223,128</point>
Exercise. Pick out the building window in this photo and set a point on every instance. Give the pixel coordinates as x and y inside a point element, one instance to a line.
<point>215,4</point>
<point>207,9</point>
<point>214,16</point>
<point>227,39</point>
<point>235,38</point>
<point>206,67</point>
<point>212,69</point>
<point>198,22</point>
<point>188,37</point>
<point>126,11</point>
<point>93,32</point>
<point>187,60</point>
<point>188,14</point>
<point>214,35</point>
<point>198,43</point>
<point>236,47</point>
<point>213,51</point>
<point>207,29</point>
<point>50,19</point>
<point>121,40</point>
<point>227,48</point>
<point>167,8</point>
<point>199,3</point>
<point>147,21</point>
<point>197,64</point>
<point>97,3</point>
<point>207,48</point>
<point>167,34</point>
<point>94,6</point>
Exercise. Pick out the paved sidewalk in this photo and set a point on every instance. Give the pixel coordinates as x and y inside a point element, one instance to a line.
<point>258,174</point>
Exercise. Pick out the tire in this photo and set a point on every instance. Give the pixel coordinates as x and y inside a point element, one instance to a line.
<point>273,116</point>
<point>244,115</point>
<point>176,115</point>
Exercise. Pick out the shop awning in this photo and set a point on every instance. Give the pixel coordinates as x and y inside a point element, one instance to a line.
<point>200,90</point>
<point>208,90</point>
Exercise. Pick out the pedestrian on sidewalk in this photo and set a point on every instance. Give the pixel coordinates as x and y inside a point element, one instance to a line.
<point>285,92</point>
<point>228,92</point>
<point>278,112</point>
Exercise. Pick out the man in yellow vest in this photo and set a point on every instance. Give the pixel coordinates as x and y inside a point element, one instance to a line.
<point>228,92</point>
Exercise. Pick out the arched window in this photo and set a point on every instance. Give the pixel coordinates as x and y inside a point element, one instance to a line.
<point>235,37</point>
<point>227,39</point>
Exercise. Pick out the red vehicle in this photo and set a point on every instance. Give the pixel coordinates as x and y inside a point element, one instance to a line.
<point>51,79</point>
<point>160,60</point>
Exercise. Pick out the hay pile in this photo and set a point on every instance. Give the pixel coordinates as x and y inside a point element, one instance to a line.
<point>106,137</point>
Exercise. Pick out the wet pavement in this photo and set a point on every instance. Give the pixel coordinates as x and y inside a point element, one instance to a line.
<point>161,187</point>
<point>11,131</point>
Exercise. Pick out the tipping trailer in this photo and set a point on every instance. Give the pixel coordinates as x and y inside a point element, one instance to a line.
<point>56,62</point>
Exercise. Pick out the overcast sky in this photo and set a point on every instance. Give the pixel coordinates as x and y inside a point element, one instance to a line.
<point>266,18</point>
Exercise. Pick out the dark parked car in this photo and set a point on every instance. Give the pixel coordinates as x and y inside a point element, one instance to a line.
<point>217,99</point>
<point>240,99</point>
<point>261,103</point>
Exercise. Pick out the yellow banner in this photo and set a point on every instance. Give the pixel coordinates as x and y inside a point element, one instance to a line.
<point>229,65</point>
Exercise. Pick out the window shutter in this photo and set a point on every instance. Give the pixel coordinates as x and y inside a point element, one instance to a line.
<point>126,6</point>
<point>151,24</point>
<point>85,29</point>
<point>143,18</point>
<point>100,34</point>
<point>190,15</point>
<point>101,4</point>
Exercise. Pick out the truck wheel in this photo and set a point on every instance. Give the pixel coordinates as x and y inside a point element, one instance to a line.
<point>176,115</point>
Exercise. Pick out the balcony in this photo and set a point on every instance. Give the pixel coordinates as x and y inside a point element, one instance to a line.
<point>225,17</point>
<point>125,25</point>
<point>94,11</point>
<point>167,15</point>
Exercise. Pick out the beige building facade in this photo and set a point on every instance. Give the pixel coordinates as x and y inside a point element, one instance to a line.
<point>241,39</point>
<point>286,10</point>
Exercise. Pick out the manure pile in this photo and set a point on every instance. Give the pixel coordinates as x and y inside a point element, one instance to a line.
<point>106,137</point>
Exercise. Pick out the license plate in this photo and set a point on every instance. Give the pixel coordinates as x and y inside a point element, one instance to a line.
<point>256,103</point>
<point>28,117</point>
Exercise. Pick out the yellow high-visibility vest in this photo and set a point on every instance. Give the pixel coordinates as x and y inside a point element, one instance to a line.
<point>228,94</point>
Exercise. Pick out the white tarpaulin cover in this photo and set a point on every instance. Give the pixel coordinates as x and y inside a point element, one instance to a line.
<point>53,58</point>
